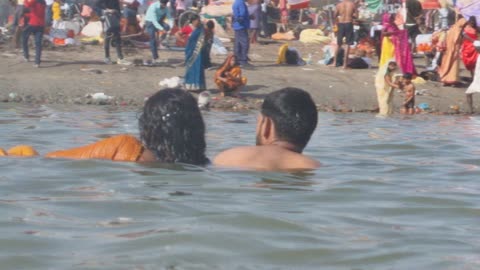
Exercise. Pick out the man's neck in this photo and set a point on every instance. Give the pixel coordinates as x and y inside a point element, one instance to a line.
<point>286,145</point>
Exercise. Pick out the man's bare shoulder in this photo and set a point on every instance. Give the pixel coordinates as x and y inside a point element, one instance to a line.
<point>265,158</point>
<point>235,155</point>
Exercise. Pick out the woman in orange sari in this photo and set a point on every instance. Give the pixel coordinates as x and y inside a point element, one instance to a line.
<point>171,131</point>
<point>469,53</point>
<point>449,68</point>
<point>229,78</point>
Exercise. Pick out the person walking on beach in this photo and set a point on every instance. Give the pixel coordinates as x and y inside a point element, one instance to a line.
<point>344,14</point>
<point>154,22</point>
<point>111,14</point>
<point>241,24</point>
<point>36,25</point>
<point>286,122</point>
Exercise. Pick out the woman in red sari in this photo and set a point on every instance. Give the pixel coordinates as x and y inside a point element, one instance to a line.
<point>469,53</point>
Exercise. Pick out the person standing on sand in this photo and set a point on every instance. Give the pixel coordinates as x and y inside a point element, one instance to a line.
<point>241,24</point>
<point>344,14</point>
<point>36,26</point>
<point>286,122</point>
<point>154,22</point>
<point>385,85</point>
<point>111,12</point>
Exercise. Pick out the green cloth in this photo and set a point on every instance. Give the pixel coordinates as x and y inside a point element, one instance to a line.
<point>374,5</point>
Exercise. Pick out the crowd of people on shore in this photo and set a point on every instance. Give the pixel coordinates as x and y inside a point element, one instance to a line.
<point>454,40</point>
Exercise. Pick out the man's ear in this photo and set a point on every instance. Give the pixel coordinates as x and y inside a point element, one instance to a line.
<point>268,130</point>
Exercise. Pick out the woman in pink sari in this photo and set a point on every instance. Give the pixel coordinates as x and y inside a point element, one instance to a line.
<point>399,39</point>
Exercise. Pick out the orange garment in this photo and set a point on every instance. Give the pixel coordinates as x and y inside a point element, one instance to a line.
<point>449,69</point>
<point>117,148</point>
<point>231,73</point>
<point>19,151</point>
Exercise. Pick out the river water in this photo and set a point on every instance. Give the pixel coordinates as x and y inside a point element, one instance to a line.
<point>398,193</point>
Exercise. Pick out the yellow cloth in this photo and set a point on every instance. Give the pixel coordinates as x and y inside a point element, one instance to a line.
<point>384,91</point>
<point>282,54</point>
<point>56,11</point>
<point>117,148</point>
<point>388,51</point>
<point>19,151</point>
<point>314,36</point>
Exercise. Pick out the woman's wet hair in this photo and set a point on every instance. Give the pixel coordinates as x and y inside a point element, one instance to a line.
<point>294,114</point>
<point>172,127</point>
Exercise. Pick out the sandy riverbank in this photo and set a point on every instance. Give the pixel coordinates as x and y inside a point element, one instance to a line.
<point>68,74</point>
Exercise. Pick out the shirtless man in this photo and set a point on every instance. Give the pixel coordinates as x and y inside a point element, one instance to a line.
<point>287,120</point>
<point>344,14</point>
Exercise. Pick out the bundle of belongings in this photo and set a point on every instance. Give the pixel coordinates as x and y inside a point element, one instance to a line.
<point>289,56</point>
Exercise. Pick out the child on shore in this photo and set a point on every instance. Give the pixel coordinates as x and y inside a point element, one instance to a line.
<point>409,89</point>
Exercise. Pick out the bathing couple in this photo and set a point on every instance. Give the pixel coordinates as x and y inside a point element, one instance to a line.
<point>172,130</point>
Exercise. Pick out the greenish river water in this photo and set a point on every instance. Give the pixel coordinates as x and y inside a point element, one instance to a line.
<point>398,193</point>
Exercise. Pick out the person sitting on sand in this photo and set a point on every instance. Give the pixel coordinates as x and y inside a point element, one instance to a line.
<point>409,89</point>
<point>286,122</point>
<point>171,130</point>
<point>385,85</point>
<point>229,78</point>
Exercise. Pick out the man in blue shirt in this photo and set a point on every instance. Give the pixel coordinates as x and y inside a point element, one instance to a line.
<point>154,21</point>
<point>241,24</point>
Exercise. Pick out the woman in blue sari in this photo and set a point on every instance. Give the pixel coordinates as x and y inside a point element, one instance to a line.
<point>195,74</point>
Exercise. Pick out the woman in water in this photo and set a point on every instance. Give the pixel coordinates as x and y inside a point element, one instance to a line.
<point>171,131</point>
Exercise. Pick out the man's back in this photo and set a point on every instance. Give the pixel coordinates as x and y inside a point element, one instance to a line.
<point>345,11</point>
<point>265,158</point>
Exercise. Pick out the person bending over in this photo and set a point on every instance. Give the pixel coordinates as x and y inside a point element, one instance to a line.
<point>287,120</point>
<point>171,130</point>
<point>154,22</point>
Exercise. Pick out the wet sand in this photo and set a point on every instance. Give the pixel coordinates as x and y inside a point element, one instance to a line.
<point>68,74</point>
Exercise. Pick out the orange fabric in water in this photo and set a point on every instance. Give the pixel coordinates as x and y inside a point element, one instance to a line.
<point>22,151</point>
<point>117,148</point>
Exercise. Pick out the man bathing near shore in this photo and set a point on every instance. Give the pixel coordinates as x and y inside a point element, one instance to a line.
<point>344,14</point>
<point>287,120</point>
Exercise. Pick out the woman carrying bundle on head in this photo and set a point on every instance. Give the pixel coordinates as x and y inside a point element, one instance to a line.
<point>228,77</point>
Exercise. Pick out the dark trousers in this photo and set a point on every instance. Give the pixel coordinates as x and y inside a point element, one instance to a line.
<point>48,15</point>
<point>113,35</point>
<point>37,31</point>
<point>241,46</point>
<point>152,32</point>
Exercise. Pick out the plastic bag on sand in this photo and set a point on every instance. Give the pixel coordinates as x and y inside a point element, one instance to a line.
<point>171,82</point>
<point>99,96</point>
<point>217,47</point>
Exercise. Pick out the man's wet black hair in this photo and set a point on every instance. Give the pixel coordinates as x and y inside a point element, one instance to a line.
<point>164,2</point>
<point>294,114</point>
<point>172,127</point>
